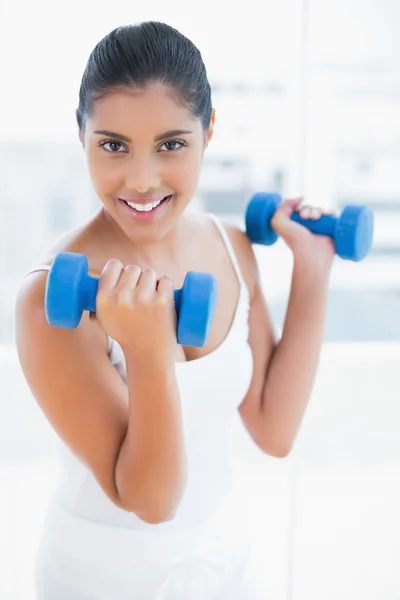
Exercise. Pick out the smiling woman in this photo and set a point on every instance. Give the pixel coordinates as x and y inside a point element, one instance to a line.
<point>153,163</point>
<point>145,119</point>
<point>147,507</point>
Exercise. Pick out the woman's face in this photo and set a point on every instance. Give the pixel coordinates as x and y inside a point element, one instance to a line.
<point>153,150</point>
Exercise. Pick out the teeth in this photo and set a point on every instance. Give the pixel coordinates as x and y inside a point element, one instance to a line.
<point>145,207</point>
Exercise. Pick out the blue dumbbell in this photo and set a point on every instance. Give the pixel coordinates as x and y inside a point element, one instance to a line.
<point>70,291</point>
<point>352,231</point>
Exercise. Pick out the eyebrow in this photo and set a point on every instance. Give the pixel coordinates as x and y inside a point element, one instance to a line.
<point>158,138</point>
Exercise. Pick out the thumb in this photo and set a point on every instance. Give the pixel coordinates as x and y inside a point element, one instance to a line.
<point>290,205</point>
<point>284,212</point>
<point>281,221</point>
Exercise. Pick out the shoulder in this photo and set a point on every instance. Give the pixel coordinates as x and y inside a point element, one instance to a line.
<point>30,299</point>
<point>79,240</point>
<point>244,253</point>
<point>30,313</point>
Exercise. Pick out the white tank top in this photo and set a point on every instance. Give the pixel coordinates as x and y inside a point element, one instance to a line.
<point>211,389</point>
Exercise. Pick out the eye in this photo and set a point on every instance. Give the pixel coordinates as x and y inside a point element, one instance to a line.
<point>176,144</point>
<point>180,143</point>
<point>112,143</point>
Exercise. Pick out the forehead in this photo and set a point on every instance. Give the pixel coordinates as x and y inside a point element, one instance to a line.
<point>144,111</point>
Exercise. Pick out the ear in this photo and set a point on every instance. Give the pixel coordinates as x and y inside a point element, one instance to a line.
<point>210,131</point>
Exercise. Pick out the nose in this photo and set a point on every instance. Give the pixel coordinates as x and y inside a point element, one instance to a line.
<point>143,175</point>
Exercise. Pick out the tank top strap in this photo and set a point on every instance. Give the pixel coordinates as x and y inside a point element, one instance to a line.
<point>229,247</point>
<point>218,223</point>
<point>38,268</point>
<point>47,268</point>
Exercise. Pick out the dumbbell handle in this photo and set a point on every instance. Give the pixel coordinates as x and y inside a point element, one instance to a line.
<point>325,225</point>
<point>90,287</point>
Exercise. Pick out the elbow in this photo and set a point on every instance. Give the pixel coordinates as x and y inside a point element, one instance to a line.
<point>277,451</point>
<point>280,453</point>
<point>155,519</point>
<point>153,503</point>
<point>151,513</point>
<point>152,517</point>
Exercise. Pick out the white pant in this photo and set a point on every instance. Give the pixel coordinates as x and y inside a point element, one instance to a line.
<point>83,560</point>
<point>49,588</point>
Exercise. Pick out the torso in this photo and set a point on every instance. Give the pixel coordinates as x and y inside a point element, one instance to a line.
<point>205,251</point>
<point>213,381</point>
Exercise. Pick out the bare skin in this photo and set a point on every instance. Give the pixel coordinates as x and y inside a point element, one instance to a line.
<point>182,240</point>
<point>138,459</point>
<point>201,249</point>
<point>130,436</point>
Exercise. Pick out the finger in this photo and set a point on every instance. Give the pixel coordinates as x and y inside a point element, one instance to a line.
<point>129,278</point>
<point>294,202</point>
<point>290,205</point>
<point>316,212</point>
<point>165,285</point>
<point>147,285</point>
<point>165,288</point>
<point>310,212</point>
<point>109,276</point>
<point>305,211</point>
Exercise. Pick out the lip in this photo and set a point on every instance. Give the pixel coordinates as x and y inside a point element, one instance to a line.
<point>143,201</point>
<point>145,215</point>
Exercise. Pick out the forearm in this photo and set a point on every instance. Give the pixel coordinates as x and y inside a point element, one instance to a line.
<point>290,377</point>
<point>152,470</point>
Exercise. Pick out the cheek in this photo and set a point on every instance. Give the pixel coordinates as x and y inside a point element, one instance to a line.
<point>187,172</point>
<point>184,177</point>
<point>181,173</point>
<point>103,181</point>
<point>104,175</point>
<point>196,171</point>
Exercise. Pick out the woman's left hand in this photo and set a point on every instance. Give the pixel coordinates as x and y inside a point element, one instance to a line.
<point>306,246</point>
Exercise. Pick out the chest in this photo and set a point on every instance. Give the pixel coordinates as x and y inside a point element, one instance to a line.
<point>228,297</point>
<point>209,253</point>
<point>213,386</point>
<point>229,291</point>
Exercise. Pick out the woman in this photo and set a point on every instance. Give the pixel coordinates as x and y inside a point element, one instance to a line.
<point>146,509</point>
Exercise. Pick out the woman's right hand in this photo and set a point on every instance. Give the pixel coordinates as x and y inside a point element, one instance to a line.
<point>137,309</point>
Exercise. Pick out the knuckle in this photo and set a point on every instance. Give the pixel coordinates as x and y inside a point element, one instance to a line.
<point>167,284</point>
<point>161,300</point>
<point>132,267</point>
<point>124,297</point>
<point>143,295</point>
<point>143,301</point>
<point>122,292</point>
<point>102,298</point>
<point>114,262</point>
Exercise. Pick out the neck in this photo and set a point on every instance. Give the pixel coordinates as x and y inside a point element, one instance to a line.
<point>167,248</point>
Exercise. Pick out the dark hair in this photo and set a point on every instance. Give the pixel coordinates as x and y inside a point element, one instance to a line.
<point>141,54</point>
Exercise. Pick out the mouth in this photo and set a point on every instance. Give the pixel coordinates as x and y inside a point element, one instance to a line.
<point>146,211</point>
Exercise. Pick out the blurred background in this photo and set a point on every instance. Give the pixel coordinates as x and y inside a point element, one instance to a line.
<point>307,98</point>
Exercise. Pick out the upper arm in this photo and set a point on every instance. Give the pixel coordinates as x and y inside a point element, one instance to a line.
<point>261,338</point>
<point>75,384</point>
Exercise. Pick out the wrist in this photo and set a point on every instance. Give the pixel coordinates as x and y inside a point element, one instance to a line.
<point>149,360</point>
<point>309,276</point>
<point>318,266</point>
